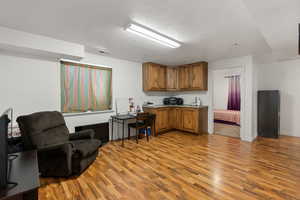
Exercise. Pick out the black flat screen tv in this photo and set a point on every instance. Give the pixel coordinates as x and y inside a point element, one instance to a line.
<point>4,121</point>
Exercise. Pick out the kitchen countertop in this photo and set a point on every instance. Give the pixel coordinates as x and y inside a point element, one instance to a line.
<point>167,106</point>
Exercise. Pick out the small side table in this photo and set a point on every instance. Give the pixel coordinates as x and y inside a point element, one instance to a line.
<point>120,119</point>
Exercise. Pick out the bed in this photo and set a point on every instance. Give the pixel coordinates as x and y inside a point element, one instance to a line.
<point>227,116</point>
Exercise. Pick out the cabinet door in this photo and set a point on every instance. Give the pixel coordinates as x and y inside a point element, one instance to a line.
<point>175,118</point>
<point>184,79</point>
<point>162,119</point>
<point>154,77</point>
<point>190,120</point>
<point>172,77</point>
<point>198,76</point>
<point>178,119</point>
<point>161,78</point>
<point>172,118</point>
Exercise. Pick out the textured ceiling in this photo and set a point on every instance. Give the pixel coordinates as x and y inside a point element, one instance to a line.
<point>208,29</point>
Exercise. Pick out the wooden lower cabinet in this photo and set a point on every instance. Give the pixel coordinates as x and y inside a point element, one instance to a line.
<point>162,119</point>
<point>192,120</point>
<point>178,119</point>
<point>172,117</point>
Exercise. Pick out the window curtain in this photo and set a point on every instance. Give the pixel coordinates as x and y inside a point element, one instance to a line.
<point>85,88</point>
<point>234,93</point>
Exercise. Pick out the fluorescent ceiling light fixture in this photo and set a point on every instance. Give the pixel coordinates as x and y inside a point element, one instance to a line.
<point>151,35</point>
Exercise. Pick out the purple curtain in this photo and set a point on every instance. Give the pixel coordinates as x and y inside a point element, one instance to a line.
<point>234,94</point>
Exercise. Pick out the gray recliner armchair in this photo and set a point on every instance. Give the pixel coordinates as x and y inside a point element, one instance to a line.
<point>60,154</point>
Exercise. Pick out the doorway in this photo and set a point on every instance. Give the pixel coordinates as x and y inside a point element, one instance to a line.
<point>226,105</point>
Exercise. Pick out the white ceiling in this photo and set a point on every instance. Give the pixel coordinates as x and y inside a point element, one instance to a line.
<point>206,28</point>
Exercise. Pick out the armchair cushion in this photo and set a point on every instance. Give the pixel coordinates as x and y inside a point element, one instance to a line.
<point>84,134</point>
<point>85,148</point>
<point>50,137</point>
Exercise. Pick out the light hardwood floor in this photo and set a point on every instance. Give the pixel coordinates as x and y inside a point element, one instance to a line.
<point>227,130</point>
<point>179,165</point>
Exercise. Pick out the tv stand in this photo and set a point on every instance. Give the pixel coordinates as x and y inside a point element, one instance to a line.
<point>23,171</point>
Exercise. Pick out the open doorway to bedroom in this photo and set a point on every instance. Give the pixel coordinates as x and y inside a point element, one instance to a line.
<point>227,101</point>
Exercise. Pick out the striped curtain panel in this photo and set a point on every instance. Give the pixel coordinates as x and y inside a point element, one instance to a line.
<point>85,88</point>
<point>234,93</point>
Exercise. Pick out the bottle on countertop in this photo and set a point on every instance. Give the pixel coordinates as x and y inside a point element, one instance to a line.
<point>198,101</point>
<point>138,109</point>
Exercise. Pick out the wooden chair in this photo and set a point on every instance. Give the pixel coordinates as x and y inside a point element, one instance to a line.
<point>143,121</point>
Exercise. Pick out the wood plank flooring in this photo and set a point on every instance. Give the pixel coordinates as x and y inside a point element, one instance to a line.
<point>179,165</point>
<point>227,130</point>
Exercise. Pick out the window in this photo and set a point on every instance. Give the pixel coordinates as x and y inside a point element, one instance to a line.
<point>85,88</point>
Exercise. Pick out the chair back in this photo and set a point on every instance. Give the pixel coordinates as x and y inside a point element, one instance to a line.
<point>146,118</point>
<point>42,129</point>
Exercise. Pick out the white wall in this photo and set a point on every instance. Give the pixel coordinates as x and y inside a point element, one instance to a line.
<point>284,76</point>
<point>220,90</point>
<point>31,85</point>
<point>254,99</point>
<point>28,85</point>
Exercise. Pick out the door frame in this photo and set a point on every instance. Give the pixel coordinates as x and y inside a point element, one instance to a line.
<point>243,100</point>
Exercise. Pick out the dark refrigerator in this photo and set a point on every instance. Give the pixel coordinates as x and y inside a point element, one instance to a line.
<point>268,113</point>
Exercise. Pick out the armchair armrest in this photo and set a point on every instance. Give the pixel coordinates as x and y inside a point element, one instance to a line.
<point>84,134</point>
<point>51,156</point>
<point>62,146</point>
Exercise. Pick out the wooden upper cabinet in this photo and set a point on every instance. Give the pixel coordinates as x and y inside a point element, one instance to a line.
<point>172,78</point>
<point>154,77</point>
<point>198,76</point>
<point>157,77</point>
<point>162,77</point>
<point>193,76</point>
<point>184,77</point>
